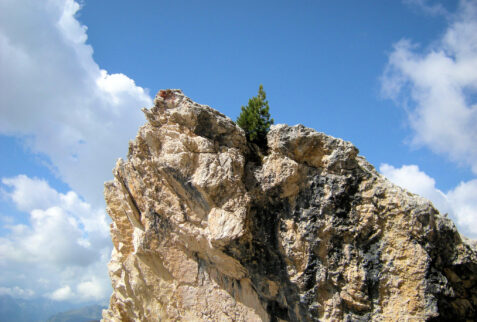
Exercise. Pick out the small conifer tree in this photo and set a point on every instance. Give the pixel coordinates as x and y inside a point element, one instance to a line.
<point>255,118</point>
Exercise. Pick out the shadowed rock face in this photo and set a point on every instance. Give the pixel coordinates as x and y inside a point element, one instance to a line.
<point>206,230</point>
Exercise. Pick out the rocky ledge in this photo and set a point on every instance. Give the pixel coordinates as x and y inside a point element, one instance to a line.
<point>208,228</point>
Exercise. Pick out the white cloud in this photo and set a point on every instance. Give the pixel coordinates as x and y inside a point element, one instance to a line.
<point>464,201</point>
<point>56,97</point>
<point>90,290</point>
<point>36,196</point>
<point>438,87</point>
<point>418,182</point>
<point>428,7</point>
<point>54,94</point>
<point>63,250</point>
<point>29,194</point>
<point>460,203</point>
<point>17,292</point>
<point>62,294</point>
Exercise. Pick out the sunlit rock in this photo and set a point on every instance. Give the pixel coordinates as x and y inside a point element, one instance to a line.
<point>207,227</point>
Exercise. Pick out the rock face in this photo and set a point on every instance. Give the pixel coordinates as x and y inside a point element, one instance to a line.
<point>207,229</point>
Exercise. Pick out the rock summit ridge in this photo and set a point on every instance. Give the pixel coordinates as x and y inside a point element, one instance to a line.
<point>206,229</point>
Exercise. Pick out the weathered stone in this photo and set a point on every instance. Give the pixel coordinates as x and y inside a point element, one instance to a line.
<point>204,229</point>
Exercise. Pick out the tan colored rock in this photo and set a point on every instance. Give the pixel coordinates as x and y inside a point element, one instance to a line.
<point>207,229</point>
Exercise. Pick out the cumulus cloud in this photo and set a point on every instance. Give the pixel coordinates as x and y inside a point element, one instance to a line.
<point>29,194</point>
<point>55,96</point>
<point>464,203</point>
<point>460,203</point>
<point>438,87</point>
<point>89,290</point>
<point>62,294</point>
<point>61,252</point>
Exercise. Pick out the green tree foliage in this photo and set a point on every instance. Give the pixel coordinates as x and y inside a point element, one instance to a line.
<point>255,118</point>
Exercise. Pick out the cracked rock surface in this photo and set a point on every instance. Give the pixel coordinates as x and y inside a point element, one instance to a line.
<point>206,227</point>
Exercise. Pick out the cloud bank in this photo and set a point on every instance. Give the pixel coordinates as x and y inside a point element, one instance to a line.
<point>63,250</point>
<point>56,98</point>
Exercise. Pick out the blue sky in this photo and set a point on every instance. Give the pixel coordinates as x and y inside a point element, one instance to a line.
<point>396,78</point>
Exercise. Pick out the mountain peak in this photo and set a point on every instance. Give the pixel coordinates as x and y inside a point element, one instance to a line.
<point>207,227</point>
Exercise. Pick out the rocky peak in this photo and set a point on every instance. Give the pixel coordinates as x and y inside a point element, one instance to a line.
<point>206,229</point>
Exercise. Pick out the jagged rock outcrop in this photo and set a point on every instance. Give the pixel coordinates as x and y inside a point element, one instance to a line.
<point>206,228</point>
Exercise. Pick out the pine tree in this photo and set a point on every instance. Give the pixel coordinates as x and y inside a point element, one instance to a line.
<point>255,118</point>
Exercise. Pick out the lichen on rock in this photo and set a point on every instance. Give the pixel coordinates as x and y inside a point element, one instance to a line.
<point>204,231</point>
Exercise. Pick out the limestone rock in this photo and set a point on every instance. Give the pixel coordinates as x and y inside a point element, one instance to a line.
<point>204,229</point>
